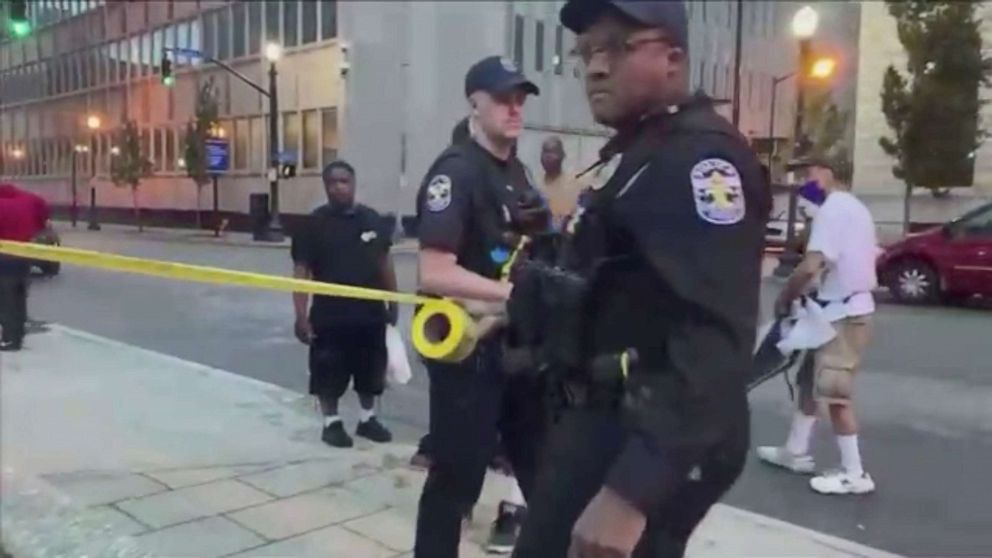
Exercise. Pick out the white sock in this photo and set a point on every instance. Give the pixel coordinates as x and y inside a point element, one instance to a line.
<point>516,496</point>
<point>802,430</point>
<point>850,456</point>
<point>331,419</point>
<point>364,415</point>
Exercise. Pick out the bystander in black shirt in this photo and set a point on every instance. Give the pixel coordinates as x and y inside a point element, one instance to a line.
<point>345,246</point>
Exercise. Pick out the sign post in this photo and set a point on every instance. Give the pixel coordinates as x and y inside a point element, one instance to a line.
<point>218,161</point>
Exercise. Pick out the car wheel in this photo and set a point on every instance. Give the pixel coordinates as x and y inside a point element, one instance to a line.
<point>914,282</point>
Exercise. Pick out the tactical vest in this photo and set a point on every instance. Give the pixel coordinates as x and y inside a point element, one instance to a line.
<point>599,247</point>
<point>495,221</point>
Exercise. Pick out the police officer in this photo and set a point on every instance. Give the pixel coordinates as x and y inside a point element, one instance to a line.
<point>666,256</point>
<point>469,207</point>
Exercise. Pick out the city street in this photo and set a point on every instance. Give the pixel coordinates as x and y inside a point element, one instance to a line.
<point>924,396</point>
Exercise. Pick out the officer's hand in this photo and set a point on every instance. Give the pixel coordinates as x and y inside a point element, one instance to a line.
<point>393,313</point>
<point>488,316</point>
<point>610,527</point>
<point>303,330</point>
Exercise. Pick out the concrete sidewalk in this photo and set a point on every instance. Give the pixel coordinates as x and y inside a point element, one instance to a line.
<point>111,450</point>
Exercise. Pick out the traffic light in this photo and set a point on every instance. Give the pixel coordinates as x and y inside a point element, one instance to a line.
<point>19,24</point>
<point>167,78</point>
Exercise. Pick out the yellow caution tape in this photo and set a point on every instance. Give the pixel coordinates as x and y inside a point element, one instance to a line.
<point>442,330</point>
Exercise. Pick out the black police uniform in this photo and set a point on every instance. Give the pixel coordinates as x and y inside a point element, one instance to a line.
<point>671,247</point>
<point>466,205</point>
<point>346,246</point>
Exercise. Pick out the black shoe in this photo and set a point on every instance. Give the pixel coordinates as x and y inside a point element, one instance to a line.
<point>503,535</point>
<point>10,346</point>
<point>334,435</point>
<point>374,430</point>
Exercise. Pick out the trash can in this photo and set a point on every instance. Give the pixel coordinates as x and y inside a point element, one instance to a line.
<point>258,215</point>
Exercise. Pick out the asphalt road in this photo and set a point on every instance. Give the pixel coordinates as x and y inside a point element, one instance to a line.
<point>925,396</point>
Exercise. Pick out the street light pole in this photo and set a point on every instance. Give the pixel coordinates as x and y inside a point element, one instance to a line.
<point>74,210</point>
<point>275,227</point>
<point>738,48</point>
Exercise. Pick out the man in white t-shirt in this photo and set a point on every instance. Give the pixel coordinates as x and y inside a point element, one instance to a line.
<point>841,252</point>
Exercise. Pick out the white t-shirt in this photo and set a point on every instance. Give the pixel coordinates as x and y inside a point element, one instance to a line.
<point>844,232</point>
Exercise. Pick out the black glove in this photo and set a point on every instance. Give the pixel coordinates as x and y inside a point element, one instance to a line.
<point>392,313</point>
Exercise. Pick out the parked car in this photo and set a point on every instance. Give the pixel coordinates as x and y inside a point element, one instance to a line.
<point>953,261</point>
<point>45,268</point>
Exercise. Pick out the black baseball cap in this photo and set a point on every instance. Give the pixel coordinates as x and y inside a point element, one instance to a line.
<point>669,15</point>
<point>497,74</point>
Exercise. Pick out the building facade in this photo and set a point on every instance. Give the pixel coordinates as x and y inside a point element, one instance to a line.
<point>377,83</point>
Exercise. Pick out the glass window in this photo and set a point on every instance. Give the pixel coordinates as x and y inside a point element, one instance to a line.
<point>254,27</point>
<point>209,34</point>
<point>195,39</point>
<point>272,25</point>
<point>158,158</point>
<point>329,135</point>
<point>309,20</point>
<point>258,154</point>
<point>223,34</point>
<point>241,134</point>
<point>559,60</point>
<point>157,44</point>
<point>518,40</point>
<point>146,54</point>
<point>311,139</point>
<point>74,73</point>
<point>182,36</point>
<point>539,47</point>
<point>291,132</point>
<point>290,22</point>
<point>239,29</point>
<point>328,19</point>
<point>170,149</point>
<point>145,142</point>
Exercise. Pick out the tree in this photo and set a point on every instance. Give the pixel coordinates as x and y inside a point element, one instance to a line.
<point>933,110</point>
<point>129,164</point>
<point>197,131</point>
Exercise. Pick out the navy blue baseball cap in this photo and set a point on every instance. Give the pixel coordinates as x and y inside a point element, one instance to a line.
<point>669,15</point>
<point>497,74</point>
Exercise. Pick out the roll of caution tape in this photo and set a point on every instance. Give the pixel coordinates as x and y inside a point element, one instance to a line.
<point>442,330</point>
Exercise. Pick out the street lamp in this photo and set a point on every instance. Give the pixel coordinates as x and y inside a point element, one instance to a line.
<point>93,124</point>
<point>272,53</point>
<point>804,25</point>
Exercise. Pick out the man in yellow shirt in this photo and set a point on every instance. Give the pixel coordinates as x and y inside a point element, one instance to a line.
<point>560,188</point>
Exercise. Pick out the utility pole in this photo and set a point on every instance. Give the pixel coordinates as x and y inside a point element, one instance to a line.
<point>738,48</point>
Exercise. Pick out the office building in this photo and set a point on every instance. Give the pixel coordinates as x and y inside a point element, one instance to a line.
<point>377,83</point>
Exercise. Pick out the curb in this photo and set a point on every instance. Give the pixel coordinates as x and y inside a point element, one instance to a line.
<point>830,541</point>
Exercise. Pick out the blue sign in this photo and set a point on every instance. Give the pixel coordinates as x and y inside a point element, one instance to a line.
<point>218,155</point>
<point>288,157</point>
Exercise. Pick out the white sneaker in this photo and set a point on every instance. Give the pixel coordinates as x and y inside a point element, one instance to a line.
<point>842,482</point>
<point>781,457</point>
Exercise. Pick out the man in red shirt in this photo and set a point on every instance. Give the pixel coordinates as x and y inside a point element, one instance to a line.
<point>22,216</point>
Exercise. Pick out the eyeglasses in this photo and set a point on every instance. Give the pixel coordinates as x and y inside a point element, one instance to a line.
<point>613,47</point>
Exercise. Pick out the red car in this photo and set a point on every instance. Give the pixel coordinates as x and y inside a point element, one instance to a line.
<point>950,262</point>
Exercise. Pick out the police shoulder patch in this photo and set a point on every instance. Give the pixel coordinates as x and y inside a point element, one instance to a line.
<point>438,196</point>
<point>717,192</point>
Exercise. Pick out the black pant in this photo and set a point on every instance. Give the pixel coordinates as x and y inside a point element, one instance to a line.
<point>474,407</point>
<point>583,446</point>
<point>13,300</point>
<point>350,353</point>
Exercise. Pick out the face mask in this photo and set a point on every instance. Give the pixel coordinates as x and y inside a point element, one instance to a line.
<point>812,192</point>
